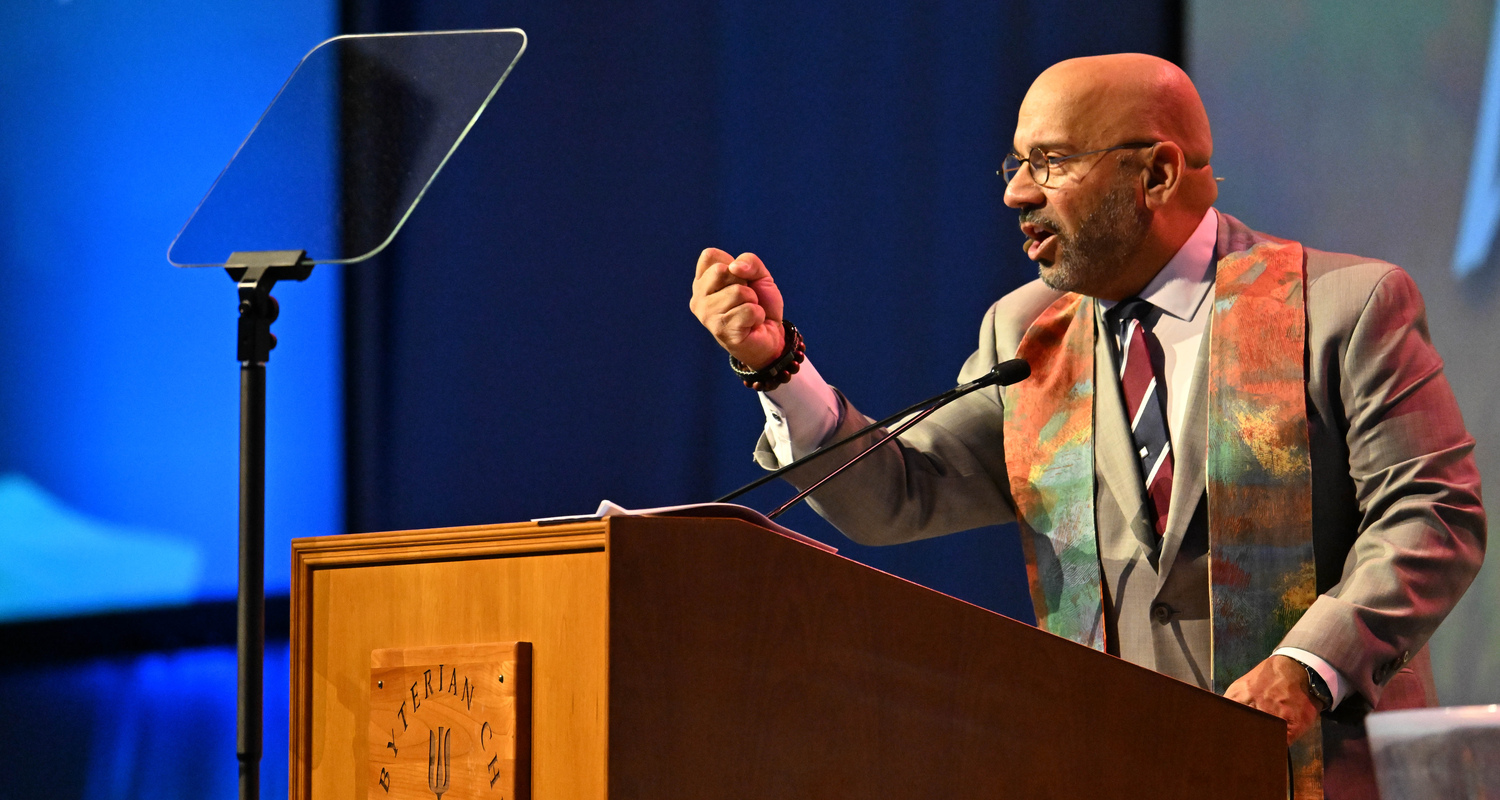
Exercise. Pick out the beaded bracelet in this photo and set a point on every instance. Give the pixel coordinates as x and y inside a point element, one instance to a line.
<point>793,353</point>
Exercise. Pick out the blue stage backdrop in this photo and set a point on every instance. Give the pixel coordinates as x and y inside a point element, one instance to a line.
<point>118,380</point>
<point>118,383</point>
<point>152,727</point>
<point>525,348</point>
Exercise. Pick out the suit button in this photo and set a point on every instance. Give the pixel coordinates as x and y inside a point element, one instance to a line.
<point>1386,671</point>
<point>1161,613</point>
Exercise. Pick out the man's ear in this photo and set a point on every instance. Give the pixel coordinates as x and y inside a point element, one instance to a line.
<point>1165,165</point>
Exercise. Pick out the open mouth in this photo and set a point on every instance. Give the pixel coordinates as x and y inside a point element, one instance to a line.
<point>1039,240</point>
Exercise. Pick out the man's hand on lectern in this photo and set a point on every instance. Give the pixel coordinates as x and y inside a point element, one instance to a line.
<point>737,300</point>
<point>1276,686</point>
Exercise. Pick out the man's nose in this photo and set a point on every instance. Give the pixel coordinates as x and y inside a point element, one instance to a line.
<point>1022,191</point>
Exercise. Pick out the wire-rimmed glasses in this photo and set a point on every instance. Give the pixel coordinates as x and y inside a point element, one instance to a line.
<point>1040,164</point>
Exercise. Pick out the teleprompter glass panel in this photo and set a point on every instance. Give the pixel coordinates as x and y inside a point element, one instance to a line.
<point>371,119</point>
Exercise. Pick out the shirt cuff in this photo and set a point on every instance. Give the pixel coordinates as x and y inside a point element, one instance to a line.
<point>800,414</point>
<point>1337,685</point>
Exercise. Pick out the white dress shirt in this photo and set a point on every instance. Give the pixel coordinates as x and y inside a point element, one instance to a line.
<point>1179,290</point>
<point>802,413</point>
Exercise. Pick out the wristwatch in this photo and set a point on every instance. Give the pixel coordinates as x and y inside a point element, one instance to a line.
<point>1317,688</point>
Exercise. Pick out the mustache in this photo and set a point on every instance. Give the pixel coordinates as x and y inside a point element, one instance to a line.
<point>1031,216</point>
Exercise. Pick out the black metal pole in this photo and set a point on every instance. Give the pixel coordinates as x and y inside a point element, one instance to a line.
<point>251,635</point>
<point>255,274</point>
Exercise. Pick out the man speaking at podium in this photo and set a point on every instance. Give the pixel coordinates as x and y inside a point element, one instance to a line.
<point>1237,461</point>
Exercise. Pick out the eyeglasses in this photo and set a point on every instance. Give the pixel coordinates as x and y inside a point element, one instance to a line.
<point>1040,164</point>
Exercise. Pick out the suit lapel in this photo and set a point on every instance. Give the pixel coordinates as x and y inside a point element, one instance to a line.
<point>1114,450</point>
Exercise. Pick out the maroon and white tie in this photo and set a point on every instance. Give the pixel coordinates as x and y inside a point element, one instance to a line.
<point>1145,404</point>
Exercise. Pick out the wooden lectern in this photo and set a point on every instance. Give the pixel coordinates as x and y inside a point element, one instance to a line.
<point>711,658</point>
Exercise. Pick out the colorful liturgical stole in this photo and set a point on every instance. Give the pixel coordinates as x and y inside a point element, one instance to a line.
<point>1259,471</point>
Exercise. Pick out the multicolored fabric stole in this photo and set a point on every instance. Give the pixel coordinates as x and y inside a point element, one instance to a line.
<point>1261,568</point>
<point>1049,452</point>
<point>1259,470</point>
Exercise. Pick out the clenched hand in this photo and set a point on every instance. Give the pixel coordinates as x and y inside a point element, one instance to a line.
<point>737,300</point>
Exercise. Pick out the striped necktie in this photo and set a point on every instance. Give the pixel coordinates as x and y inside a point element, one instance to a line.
<point>1145,404</point>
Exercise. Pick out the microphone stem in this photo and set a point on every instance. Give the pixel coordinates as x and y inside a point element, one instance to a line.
<point>935,402</point>
<point>851,462</point>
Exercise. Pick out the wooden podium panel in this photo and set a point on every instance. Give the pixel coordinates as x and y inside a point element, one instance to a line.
<point>800,674</point>
<point>355,594</point>
<point>701,658</point>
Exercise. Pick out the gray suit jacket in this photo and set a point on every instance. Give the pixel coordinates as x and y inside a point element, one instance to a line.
<point>1398,526</point>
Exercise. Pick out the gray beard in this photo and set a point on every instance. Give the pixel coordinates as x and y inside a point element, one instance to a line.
<point>1105,239</point>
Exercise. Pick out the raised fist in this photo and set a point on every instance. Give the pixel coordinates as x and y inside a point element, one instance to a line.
<point>737,300</point>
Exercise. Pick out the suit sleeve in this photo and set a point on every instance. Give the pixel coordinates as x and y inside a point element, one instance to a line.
<point>1420,524</point>
<point>945,474</point>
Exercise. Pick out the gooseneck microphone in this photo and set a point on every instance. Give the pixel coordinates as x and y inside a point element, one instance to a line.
<point>1003,374</point>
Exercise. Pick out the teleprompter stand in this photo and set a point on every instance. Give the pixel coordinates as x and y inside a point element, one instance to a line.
<point>335,166</point>
<point>255,274</point>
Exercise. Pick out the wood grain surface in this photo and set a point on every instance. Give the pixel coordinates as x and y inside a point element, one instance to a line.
<point>452,720</point>
<point>359,593</point>
<point>777,670</point>
<point>687,658</point>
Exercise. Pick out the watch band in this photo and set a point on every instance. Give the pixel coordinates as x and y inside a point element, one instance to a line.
<point>1317,688</point>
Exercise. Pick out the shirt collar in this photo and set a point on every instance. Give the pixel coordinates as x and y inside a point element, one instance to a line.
<point>1179,288</point>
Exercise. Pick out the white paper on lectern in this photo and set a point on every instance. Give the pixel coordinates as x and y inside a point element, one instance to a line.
<point>709,510</point>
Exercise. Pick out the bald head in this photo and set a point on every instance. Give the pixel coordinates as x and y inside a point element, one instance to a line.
<point>1102,101</point>
<point>1124,97</point>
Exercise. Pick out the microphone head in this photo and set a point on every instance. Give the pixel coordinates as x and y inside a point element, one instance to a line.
<point>1012,371</point>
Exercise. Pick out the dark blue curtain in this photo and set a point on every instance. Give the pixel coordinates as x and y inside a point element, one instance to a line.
<point>525,348</point>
